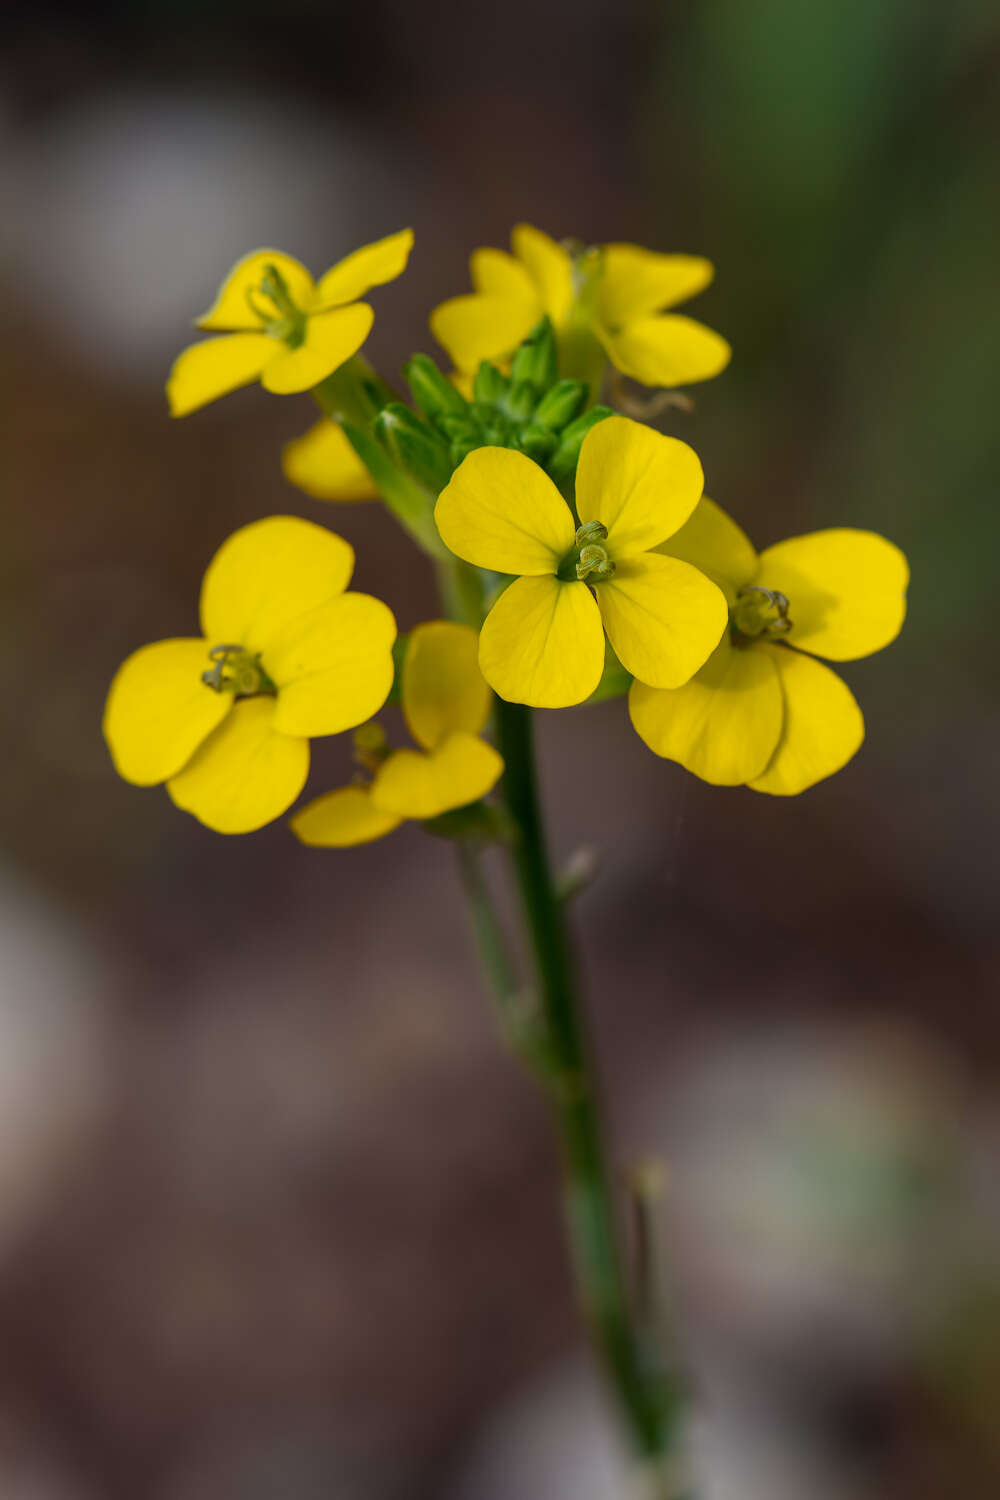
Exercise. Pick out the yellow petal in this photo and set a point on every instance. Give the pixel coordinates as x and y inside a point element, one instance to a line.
<point>331,338</point>
<point>550,268</point>
<point>231,308</point>
<point>244,775</point>
<point>414,784</point>
<point>213,368</point>
<point>158,709</point>
<point>846,590</point>
<point>498,274</point>
<point>724,724</point>
<point>542,643</point>
<point>342,819</point>
<point>642,485</point>
<point>713,543</point>
<point>666,350</point>
<point>636,282</point>
<point>474,327</point>
<point>822,728</point>
<point>663,618</point>
<point>268,574</point>
<point>357,273</point>
<point>501,511</point>
<point>332,666</point>
<point>443,689</point>
<point>323,464</point>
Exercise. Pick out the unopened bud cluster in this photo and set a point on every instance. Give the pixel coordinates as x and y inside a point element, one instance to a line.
<point>530,409</point>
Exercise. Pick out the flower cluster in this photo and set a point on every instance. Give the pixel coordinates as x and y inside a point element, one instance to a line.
<point>580,556</point>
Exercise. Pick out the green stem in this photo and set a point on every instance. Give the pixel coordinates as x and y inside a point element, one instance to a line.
<point>352,397</point>
<point>593,1236</point>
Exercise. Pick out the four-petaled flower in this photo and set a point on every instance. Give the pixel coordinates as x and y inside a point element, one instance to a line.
<point>760,712</point>
<point>280,326</point>
<point>285,654</point>
<point>543,641</point>
<point>446,703</point>
<point>616,294</point>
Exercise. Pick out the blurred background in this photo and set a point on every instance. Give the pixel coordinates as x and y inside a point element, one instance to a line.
<point>278,1216</point>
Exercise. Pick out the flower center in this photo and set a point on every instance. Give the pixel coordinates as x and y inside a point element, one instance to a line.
<point>236,671</point>
<point>589,561</point>
<point>283,319</point>
<point>758,611</point>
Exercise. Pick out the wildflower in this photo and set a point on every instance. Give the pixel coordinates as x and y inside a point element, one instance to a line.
<point>282,328</point>
<point>543,640</point>
<point>285,654</point>
<point>616,294</point>
<point>323,464</point>
<point>446,703</point>
<point>763,711</point>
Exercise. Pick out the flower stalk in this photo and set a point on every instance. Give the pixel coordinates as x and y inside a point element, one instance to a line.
<point>570,1084</point>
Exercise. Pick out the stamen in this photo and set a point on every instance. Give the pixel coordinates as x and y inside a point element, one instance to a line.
<point>588,562</point>
<point>286,322</point>
<point>236,671</point>
<point>759,611</point>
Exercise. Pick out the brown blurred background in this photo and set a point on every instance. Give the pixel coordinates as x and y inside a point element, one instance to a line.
<point>277,1214</point>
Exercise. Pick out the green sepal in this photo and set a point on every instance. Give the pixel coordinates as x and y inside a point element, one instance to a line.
<point>560,404</point>
<point>615,681</point>
<point>432,391</point>
<point>536,361</point>
<point>537,442</point>
<point>562,464</point>
<point>490,384</point>
<point>414,446</point>
<point>480,822</point>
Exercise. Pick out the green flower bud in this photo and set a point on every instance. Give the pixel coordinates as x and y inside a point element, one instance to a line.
<point>490,385</point>
<point>414,446</point>
<point>458,428</point>
<point>562,464</point>
<point>561,404</point>
<point>537,442</point>
<point>432,391</point>
<point>521,400</point>
<point>536,360</point>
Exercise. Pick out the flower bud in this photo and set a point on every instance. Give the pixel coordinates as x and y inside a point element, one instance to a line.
<point>521,400</point>
<point>414,446</point>
<point>490,384</point>
<point>562,464</point>
<point>536,441</point>
<point>560,404</point>
<point>432,391</point>
<point>536,359</point>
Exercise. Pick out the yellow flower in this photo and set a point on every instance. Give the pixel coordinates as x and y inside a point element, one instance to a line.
<point>446,704</point>
<point>323,464</point>
<point>760,712</point>
<point>280,327</point>
<point>617,294</point>
<point>225,719</point>
<point>543,641</point>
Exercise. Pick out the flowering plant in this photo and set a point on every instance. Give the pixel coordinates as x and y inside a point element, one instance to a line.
<point>578,561</point>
